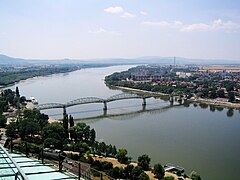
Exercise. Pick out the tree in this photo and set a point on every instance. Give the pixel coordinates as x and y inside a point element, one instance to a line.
<point>17,92</point>
<point>143,176</point>
<point>36,116</point>
<point>127,171</point>
<point>22,99</point>
<point>54,130</point>
<point>231,96</point>
<point>169,178</point>
<point>52,143</point>
<point>195,176</point>
<point>3,121</point>
<point>92,136</point>
<point>136,172</point>
<point>9,95</point>
<point>213,94</point>
<point>71,121</point>
<point>159,171</point>
<point>115,173</point>
<point>11,129</point>
<point>65,126</point>
<point>144,161</point>
<point>220,93</point>
<point>102,148</point>
<point>28,127</point>
<point>114,151</point>
<point>122,155</point>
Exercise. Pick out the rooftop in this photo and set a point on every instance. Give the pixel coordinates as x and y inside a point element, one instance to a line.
<point>23,167</point>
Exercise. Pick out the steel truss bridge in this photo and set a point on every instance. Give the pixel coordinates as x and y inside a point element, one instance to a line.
<point>88,100</point>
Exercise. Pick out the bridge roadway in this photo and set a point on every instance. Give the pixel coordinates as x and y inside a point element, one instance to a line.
<point>88,100</point>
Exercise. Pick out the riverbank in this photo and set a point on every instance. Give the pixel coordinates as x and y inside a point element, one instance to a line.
<point>215,102</point>
<point>140,91</point>
<point>151,176</point>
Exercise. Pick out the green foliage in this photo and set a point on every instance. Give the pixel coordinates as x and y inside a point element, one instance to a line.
<point>36,116</point>
<point>71,121</point>
<point>52,143</point>
<point>17,92</point>
<point>122,156</point>
<point>55,131</point>
<point>102,165</point>
<point>195,176</point>
<point>28,127</point>
<point>81,132</point>
<point>11,129</point>
<point>115,173</point>
<point>158,170</point>
<point>143,176</point>
<point>169,178</point>
<point>65,125</point>
<point>220,93</point>
<point>144,161</point>
<point>231,96</point>
<point>136,172</point>
<point>3,121</point>
<point>14,75</point>
<point>92,136</point>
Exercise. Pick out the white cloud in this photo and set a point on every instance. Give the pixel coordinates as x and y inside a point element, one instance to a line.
<point>128,15</point>
<point>202,27</point>
<point>213,26</point>
<point>114,10</point>
<point>104,31</point>
<point>119,10</point>
<point>162,24</point>
<point>143,13</point>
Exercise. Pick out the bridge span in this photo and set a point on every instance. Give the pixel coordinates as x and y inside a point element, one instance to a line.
<point>88,100</point>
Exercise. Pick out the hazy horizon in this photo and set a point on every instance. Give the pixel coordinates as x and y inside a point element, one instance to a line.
<point>92,29</point>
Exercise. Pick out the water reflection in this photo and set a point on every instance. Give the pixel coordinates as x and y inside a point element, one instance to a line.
<point>126,116</point>
<point>212,108</point>
<point>230,112</point>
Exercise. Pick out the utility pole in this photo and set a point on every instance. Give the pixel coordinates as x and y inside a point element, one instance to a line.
<point>174,62</point>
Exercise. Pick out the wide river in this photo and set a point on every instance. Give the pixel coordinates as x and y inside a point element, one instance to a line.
<point>196,138</point>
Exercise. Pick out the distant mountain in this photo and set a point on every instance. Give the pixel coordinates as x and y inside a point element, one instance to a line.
<point>6,60</point>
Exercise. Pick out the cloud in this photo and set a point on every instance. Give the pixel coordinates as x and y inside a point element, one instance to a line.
<point>143,13</point>
<point>162,24</point>
<point>119,10</point>
<point>199,27</point>
<point>104,31</point>
<point>114,10</point>
<point>213,26</point>
<point>128,15</point>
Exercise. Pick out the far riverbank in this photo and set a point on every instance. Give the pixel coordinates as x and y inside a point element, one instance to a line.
<point>214,102</point>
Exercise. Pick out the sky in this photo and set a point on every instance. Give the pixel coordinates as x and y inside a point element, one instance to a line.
<point>87,29</point>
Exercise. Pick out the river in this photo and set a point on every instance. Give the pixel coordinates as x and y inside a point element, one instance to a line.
<point>196,138</point>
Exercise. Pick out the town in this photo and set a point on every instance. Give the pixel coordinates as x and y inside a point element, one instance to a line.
<point>211,82</point>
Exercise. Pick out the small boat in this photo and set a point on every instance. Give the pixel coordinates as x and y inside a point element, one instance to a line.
<point>33,100</point>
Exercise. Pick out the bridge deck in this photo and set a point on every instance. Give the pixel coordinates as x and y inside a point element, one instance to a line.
<point>88,100</point>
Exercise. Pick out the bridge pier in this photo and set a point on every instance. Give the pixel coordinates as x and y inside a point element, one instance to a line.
<point>104,112</point>
<point>171,99</point>
<point>180,100</point>
<point>105,106</point>
<point>144,102</point>
<point>64,111</point>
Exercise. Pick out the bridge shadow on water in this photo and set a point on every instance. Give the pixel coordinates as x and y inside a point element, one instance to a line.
<point>121,116</point>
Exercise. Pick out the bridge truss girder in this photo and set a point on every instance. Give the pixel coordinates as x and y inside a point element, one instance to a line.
<point>86,100</point>
<point>124,96</point>
<point>49,106</point>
